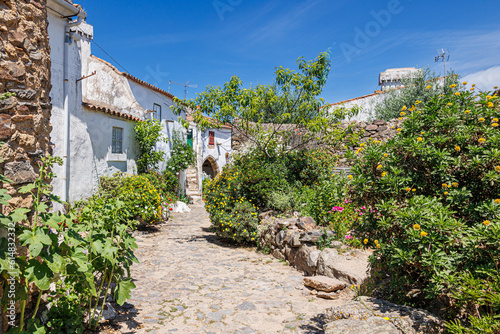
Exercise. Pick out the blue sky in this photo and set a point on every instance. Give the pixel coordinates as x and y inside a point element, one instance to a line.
<point>206,42</point>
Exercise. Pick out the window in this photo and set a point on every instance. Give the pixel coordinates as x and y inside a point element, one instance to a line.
<point>157,111</point>
<point>117,140</point>
<point>211,138</point>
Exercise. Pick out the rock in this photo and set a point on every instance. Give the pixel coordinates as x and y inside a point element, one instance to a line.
<point>295,242</point>
<point>372,325</point>
<point>25,94</point>
<point>266,215</point>
<point>246,306</point>
<point>8,104</point>
<point>282,225</point>
<point>306,259</point>
<point>311,236</point>
<point>371,127</point>
<point>307,224</point>
<point>20,172</point>
<point>379,122</point>
<point>352,271</point>
<point>5,131</point>
<point>323,283</point>
<point>278,254</point>
<point>328,295</point>
<point>180,207</point>
<point>408,319</point>
<point>280,237</point>
<point>336,244</point>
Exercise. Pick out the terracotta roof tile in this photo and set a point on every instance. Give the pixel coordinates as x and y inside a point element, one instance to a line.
<point>148,85</point>
<point>110,111</point>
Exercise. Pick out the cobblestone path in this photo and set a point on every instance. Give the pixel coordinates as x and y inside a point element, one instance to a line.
<point>190,281</point>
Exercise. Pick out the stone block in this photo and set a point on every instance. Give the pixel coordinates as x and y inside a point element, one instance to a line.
<point>5,131</point>
<point>20,172</point>
<point>323,283</point>
<point>307,223</point>
<point>371,127</point>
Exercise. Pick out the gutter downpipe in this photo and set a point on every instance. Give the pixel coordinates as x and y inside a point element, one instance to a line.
<point>67,40</point>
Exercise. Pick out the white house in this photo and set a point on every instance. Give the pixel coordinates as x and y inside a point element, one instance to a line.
<point>95,107</point>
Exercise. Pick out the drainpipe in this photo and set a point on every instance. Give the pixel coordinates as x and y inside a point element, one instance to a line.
<point>67,41</point>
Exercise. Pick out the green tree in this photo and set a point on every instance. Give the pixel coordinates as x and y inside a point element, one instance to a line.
<point>270,116</point>
<point>422,87</point>
<point>148,134</point>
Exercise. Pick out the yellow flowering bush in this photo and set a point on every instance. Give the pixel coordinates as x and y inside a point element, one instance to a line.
<point>443,239</point>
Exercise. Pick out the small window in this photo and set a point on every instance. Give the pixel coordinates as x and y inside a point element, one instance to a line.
<point>117,140</point>
<point>157,111</point>
<point>211,138</point>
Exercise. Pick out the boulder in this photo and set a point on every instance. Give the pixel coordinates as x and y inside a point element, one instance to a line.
<point>352,270</point>
<point>180,207</point>
<point>369,315</point>
<point>310,236</point>
<point>266,215</point>
<point>328,295</point>
<point>323,283</point>
<point>307,259</point>
<point>307,224</point>
<point>278,254</point>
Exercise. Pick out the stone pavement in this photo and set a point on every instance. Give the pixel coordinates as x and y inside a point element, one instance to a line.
<point>190,281</point>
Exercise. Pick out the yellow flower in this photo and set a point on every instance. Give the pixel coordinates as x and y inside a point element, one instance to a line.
<point>384,174</point>
<point>464,83</point>
<point>481,140</point>
<point>497,169</point>
<point>418,102</point>
<point>402,113</point>
<point>467,111</point>
<point>455,184</point>
<point>445,193</point>
<point>365,241</point>
<point>414,190</point>
<point>420,139</point>
<point>422,133</point>
<point>386,155</point>
<point>416,227</point>
<point>494,125</point>
<point>400,118</point>
<point>445,185</point>
<point>495,120</point>
<point>379,167</point>
<point>408,189</point>
<point>449,104</point>
<point>490,105</point>
<point>350,177</point>
<point>375,241</point>
<point>404,108</point>
<point>486,222</point>
<point>362,145</point>
<point>386,318</point>
<point>472,88</point>
<point>428,87</point>
<point>453,86</point>
<point>457,148</point>
<point>398,129</point>
<point>473,85</point>
<point>423,234</point>
<point>457,93</point>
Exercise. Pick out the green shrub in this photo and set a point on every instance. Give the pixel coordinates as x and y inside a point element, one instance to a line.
<point>148,134</point>
<point>182,155</point>
<point>434,197</point>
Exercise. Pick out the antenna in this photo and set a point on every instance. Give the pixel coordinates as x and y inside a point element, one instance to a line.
<point>445,56</point>
<point>185,86</point>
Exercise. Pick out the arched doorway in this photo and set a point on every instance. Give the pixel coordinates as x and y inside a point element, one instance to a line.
<point>210,167</point>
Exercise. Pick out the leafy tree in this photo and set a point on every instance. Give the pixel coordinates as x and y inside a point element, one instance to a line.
<point>422,87</point>
<point>182,154</point>
<point>148,134</point>
<point>271,116</point>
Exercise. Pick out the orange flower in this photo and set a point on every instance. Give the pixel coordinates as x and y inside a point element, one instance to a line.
<point>416,227</point>
<point>423,234</point>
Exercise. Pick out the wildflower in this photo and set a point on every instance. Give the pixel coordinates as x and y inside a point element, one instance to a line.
<point>416,227</point>
<point>423,234</point>
<point>428,87</point>
<point>494,125</point>
<point>418,102</point>
<point>386,155</point>
<point>453,86</point>
<point>404,108</point>
<point>481,140</point>
<point>467,111</point>
<point>398,129</point>
<point>464,83</point>
<point>486,222</point>
<point>365,241</point>
<point>379,167</point>
<point>455,184</point>
<point>402,113</point>
<point>384,174</point>
<point>350,177</point>
<point>457,148</point>
<point>445,185</point>
<point>414,190</point>
<point>348,237</point>
<point>422,133</point>
<point>495,120</point>
<point>386,318</point>
<point>457,93</point>
<point>420,139</point>
<point>446,193</point>
<point>481,119</point>
<point>449,104</point>
<point>497,169</point>
<point>408,189</point>
<point>472,88</point>
<point>497,201</point>
<point>490,105</point>
<point>400,118</point>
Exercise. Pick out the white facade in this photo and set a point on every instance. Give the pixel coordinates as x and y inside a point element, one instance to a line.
<point>92,100</point>
<point>393,77</point>
<point>366,105</point>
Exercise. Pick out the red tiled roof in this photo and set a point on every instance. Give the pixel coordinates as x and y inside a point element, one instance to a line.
<point>111,112</point>
<point>148,85</point>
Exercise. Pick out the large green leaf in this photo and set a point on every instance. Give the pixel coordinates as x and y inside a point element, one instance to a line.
<point>122,292</point>
<point>80,259</point>
<point>39,273</point>
<point>35,240</point>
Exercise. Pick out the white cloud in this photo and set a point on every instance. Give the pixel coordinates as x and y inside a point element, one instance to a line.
<point>486,79</point>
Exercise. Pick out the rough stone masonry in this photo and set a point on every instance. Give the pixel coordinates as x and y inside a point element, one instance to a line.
<point>24,117</point>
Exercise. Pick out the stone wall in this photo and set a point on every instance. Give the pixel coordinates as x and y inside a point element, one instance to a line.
<point>24,118</point>
<point>24,71</point>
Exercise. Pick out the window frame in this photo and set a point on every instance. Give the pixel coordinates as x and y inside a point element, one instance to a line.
<point>211,138</point>
<point>116,140</point>
<point>156,109</point>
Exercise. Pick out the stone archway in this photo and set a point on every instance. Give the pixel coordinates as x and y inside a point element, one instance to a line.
<point>210,167</point>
